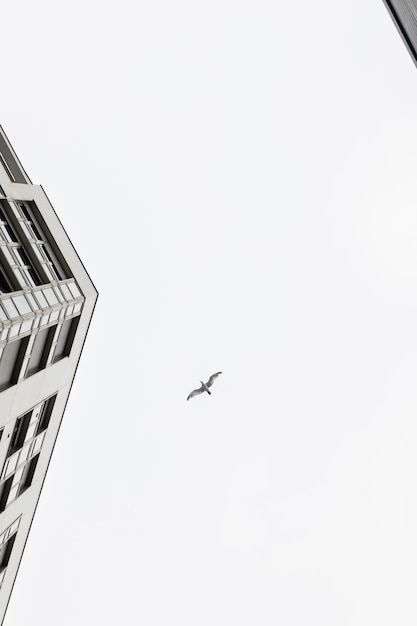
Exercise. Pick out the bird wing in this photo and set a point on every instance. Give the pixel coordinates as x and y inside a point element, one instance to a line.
<point>195,392</point>
<point>212,379</point>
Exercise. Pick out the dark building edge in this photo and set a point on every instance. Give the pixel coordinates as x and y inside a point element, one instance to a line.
<point>401,29</point>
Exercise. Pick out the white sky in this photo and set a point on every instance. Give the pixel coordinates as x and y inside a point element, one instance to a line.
<point>239,180</point>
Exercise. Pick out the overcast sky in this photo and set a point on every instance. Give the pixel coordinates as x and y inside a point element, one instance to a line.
<point>239,179</point>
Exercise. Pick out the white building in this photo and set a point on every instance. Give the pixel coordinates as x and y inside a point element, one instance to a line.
<point>46,303</point>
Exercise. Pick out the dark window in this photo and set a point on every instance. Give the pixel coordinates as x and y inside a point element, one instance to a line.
<point>5,286</point>
<point>66,338</point>
<point>46,414</point>
<point>11,362</point>
<point>22,254</point>
<point>40,350</point>
<point>10,232</point>
<point>7,226</point>
<point>19,433</point>
<point>2,191</point>
<point>39,228</point>
<point>9,281</point>
<point>25,211</point>
<point>31,221</point>
<point>34,276</point>
<point>5,552</point>
<point>24,261</point>
<point>28,473</point>
<point>4,492</point>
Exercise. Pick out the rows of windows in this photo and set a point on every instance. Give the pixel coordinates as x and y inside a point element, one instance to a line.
<point>21,358</point>
<point>27,256</point>
<point>24,311</point>
<point>13,252</point>
<point>25,214</point>
<point>23,452</point>
<point>7,539</point>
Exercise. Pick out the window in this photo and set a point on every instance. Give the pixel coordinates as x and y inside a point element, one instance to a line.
<point>17,254</point>
<point>11,362</point>
<point>27,428</point>
<point>66,339</point>
<point>29,220</point>
<point>28,473</point>
<point>4,493</point>
<point>24,450</point>
<point>5,286</point>
<point>8,233</point>
<point>7,539</point>
<point>22,255</point>
<point>24,357</point>
<point>48,254</point>
<point>19,471</point>
<point>19,433</point>
<point>40,350</point>
<point>5,552</point>
<point>45,414</point>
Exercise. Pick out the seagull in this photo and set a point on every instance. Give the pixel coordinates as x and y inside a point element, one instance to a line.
<point>204,386</point>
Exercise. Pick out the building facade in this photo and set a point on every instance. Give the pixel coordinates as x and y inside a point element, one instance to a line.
<point>404,14</point>
<point>46,303</point>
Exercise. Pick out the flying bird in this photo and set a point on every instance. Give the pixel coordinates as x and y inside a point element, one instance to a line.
<point>204,386</point>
